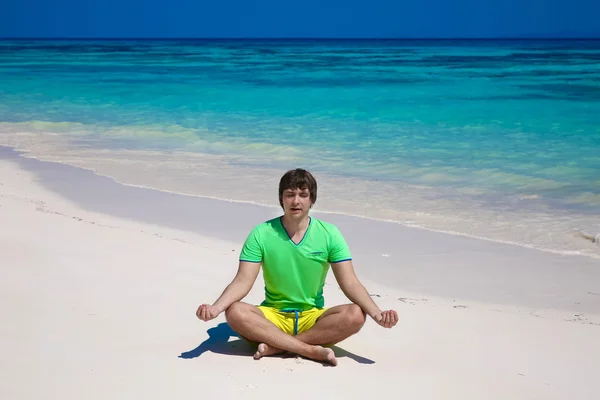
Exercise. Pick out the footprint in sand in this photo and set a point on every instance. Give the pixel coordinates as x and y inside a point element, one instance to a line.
<point>409,300</point>
<point>581,318</point>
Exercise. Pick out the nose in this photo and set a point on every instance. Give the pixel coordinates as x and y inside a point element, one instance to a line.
<point>297,200</point>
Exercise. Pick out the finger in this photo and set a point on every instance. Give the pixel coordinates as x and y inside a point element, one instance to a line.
<point>388,320</point>
<point>393,318</point>
<point>203,313</point>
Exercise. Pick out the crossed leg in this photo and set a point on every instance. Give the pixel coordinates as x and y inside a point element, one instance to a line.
<point>335,325</point>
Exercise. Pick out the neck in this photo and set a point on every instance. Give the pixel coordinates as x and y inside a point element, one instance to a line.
<point>294,226</point>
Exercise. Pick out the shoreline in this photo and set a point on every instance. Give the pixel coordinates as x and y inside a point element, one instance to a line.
<point>385,252</point>
<point>575,236</point>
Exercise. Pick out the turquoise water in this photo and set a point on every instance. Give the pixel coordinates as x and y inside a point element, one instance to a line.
<point>462,129</point>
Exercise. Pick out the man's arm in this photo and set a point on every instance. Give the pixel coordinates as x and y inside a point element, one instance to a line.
<point>238,289</point>
<point>240,285</point>
<point>356,293</point>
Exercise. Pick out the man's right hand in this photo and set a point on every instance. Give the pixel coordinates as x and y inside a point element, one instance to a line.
<point>206,312</point>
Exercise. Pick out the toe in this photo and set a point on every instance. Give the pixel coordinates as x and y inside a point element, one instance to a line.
<point>260,351</point>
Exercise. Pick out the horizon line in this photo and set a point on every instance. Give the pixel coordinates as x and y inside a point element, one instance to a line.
<point>302,38</point>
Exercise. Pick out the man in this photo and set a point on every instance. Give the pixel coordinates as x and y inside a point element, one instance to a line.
<point>295,251</point>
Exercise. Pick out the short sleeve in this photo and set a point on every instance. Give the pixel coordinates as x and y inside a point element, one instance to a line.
<point>338,248</point>
<point>252,249</point>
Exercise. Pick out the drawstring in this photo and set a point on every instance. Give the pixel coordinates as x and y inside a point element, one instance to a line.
<point>289,310</point>
<point>296,323</point>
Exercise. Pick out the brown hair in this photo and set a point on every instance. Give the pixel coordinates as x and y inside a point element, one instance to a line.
<point>298,179</point>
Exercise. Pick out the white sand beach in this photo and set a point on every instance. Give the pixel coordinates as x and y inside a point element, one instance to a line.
<point>99,285</point>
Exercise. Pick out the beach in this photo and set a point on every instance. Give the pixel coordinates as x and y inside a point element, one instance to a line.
<point>100,283</point>
<point>460,172</point>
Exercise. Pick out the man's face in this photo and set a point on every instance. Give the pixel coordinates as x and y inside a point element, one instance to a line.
<point>296,203</point>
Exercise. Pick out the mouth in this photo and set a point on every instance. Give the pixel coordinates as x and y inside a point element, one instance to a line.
<point>295,209</point>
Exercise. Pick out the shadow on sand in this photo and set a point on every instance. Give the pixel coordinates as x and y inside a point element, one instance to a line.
<point>218,342</point>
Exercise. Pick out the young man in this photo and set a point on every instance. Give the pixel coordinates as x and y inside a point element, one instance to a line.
<point>295,251</point>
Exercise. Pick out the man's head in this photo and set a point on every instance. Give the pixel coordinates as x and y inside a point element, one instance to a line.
<point>297,192</point>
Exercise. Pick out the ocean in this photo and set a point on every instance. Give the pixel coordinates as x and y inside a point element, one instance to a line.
<point>498,140</point>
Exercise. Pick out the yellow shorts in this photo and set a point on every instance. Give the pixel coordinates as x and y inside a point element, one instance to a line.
<point>292,322</point>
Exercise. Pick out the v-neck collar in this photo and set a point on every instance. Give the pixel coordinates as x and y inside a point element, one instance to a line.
<point>288,235</point>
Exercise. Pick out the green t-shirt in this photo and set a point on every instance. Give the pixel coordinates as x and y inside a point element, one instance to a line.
<point>295,274</point>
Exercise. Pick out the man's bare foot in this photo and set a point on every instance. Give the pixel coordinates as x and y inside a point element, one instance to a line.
<point>325,354</point>
<point>320,353</point>
<point>266,350</point>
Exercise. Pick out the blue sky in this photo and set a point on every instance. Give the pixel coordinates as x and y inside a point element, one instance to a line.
<point>306,18</point>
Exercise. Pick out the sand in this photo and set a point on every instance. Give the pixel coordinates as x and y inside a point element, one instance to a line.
<point>99,285</point>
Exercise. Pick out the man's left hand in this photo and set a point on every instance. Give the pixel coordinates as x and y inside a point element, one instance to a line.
<point>387,318</point>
